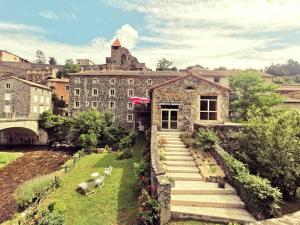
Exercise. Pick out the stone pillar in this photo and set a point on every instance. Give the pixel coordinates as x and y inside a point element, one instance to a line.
<point>164,198</point>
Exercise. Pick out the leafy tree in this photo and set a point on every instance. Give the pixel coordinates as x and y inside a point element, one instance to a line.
<point>69,67</point>
<point>270,146</point>
<point>291,68</point>
<point>164,64</point>
<point>57,127</point>
<point>57,104</point>
<point>52,61</point>
<point>40,57</point>
<point>250,90</point>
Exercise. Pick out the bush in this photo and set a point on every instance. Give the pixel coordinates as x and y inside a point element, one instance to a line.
<point>51,218</point>
<point>205,139</point>
<point>187,139</point>
<point>31,189</point>
<point>259,195</point>
<point>149,212</point>
<point>124,154</point>
<point>127,141</point>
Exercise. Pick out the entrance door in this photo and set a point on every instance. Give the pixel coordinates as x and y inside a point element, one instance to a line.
<point>169,119</point>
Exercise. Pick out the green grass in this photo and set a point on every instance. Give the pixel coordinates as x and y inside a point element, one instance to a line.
<point>115,203</point>
<point>7,157</point>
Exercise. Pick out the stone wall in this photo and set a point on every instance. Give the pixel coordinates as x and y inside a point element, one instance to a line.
<point>291,219</point>
<point>160,180</point>
<point>186,94</point>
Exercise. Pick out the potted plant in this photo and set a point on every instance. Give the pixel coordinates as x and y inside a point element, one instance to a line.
<point>221,183</point>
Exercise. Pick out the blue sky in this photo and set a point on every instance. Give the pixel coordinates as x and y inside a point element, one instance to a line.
<point>231,33</point>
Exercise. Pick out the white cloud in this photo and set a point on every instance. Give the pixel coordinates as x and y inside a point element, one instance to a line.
<point>127,35</point>
<point>215,32</point>
<point>48,14</point>
<point>12,27</point>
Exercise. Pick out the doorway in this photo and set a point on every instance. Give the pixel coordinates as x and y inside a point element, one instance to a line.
<point>169,119</point>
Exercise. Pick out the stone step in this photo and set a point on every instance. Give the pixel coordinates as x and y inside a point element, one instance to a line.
<point>179,158</point>
<point>171,138</point>
<point>180,163</point>
<point>216,201</point>
<point>168,146</point>
<point>173,141</point>
<point>176,150</point>
<point>201,188</point>
<point>177,153</point>
<point>218,215</point>
<point>185,176</point>
<point>179,169</point>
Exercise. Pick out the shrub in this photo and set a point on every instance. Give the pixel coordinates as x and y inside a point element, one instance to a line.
<point>127,141</point>
<point>149,212</point>
<point>124,154</point>
<point>259,195</point>
<point>187,139</point>
<point>205,139</point>
<point>31,189</point>
<point>162,142</point>
<point>51,218</point>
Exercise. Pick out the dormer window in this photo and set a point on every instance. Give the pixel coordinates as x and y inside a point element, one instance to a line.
<point>216,79</point>
<point>190,88</point>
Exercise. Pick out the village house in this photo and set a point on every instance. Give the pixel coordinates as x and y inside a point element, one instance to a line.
<point>23,99</point>
<point>6,56</point>
<point>60,87</point>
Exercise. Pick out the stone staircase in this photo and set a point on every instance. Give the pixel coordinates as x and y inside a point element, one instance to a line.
<point>192,198</point>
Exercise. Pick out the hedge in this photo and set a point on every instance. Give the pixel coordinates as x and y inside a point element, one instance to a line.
<point>260,197</point>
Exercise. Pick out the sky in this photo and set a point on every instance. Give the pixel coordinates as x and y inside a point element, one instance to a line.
<point>211,33</point>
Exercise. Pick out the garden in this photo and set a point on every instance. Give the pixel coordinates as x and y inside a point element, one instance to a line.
<point>7,157</point>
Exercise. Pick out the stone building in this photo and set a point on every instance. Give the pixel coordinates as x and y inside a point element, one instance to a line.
<point>110,91</point>
<point>60,87</point>
<point>121,59</point>
<point>23,99</point>
<point>6,56</point>
<point>85,62</point>
<point>179,103</point>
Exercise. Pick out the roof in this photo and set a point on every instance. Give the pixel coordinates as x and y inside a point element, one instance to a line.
<point>14,55</point>
<point>58,80</point>
<point>116,43</point>
<point>27,82</point>
<point>188,75</point>
<point>128,73</point>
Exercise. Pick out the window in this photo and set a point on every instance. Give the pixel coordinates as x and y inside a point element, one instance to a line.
<point>77,91</point>
<point>77,80</point>
<point>77,104</point>
<point>7,96</point>
<point>129,105</point>
<point>94,104</point>
<point>208,108</point>
<point>149,81</point>
<point>147,94</point>
<point>130,92</point>
<point>217,79</point>
<point>35,98</point>
<point>112,80</point>
<point>61,97</point>
<point>42,99</point>
<point>7,109</point>
<point>95,80</point>
<point>67,87</point>
<point>95,92</point>
<point>112,92</point>
<point>35,109</point>
<point>87,104</point>
<point>8,86</point>
<point>41,109</point>
<point>48,99</point>
<point>112,104</point>
<point>130,81</point>
<point>129,117</point>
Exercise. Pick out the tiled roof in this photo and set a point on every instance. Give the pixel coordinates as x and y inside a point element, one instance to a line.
<point>59,80</point>
<point>116,43</point>
<point>129,73</point>
<point>27,82</point>
<point>187,75</point>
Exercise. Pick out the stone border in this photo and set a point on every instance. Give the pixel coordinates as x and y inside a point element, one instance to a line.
<point>160,180</point>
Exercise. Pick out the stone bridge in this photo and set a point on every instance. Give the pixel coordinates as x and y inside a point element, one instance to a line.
<point>21,131</point>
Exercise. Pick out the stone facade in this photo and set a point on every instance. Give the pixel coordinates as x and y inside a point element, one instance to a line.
<point>23,99</point>
<point>6,56</point>
<point>93,90</point>
<point>184,95</point>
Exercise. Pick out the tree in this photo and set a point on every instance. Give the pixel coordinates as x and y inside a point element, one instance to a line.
<point>52,61</point>
<point>40,57</point>
<point>69,67</point>
<point>250,90</point>
<point>291,68</point>
<point>164,64</point>
<point>58,104</point>
<point>270,146</point>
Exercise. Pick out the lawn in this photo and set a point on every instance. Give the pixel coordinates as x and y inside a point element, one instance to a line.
<point>115,203</point>
<point>7,157</point>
